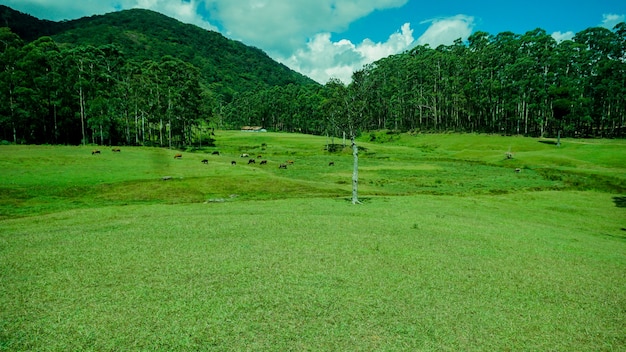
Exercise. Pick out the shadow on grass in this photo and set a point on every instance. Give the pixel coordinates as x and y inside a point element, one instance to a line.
<point>620,202</point>
<point>548,142</point>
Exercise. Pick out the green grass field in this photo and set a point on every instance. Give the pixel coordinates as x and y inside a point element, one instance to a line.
<point>451,250</point>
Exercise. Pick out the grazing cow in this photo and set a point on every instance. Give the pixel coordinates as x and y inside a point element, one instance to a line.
<point>282,166</point>
<point>263,162</point>
<point>259,156</point>
<point>215,153</point>
<point>244,155</point>
<point>205,161</point>
<point>116,150</point>
<point>178,156</point>
<point>518,170</point>
<point>332,163</point>
<point>95,151</point>
<point>233,162</point>
<point>289,162</point>
<point>508,155</point>
<point>251,161</point>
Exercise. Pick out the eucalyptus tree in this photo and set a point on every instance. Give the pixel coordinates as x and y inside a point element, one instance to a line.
<point>184,93</point>
<point>126,98</point>
<point>81,64</point>
<point>569,66</point>
<point>105,75</point>
<point>605,75</point>
<point>39,88</point>
<point>480,88</point>
<point>156,100</point>
<point>10,45</point>
<point>537,49</point>
<point>333,107</point>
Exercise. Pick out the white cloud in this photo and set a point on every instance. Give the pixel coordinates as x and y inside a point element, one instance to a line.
<point>323,59</point>
<point>184,11</point>
<point>559,36</point>
<point>610,20</point>
<point>444,31</point>
<point>282,26</point>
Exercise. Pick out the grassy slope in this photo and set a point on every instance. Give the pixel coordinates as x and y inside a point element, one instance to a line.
<point>496,261</point>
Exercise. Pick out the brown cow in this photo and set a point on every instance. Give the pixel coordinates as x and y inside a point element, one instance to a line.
<point>178,156</point>
<point>116,150</point>
<point>205,161</point>
<point>282,166</point>
<point>95,151</point>
<point>289,162</point>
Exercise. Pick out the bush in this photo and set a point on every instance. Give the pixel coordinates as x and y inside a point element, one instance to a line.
<point>384,136</point>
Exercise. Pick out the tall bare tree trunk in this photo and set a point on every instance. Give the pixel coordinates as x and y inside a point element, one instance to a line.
<point>355,173</point>
<point>82,110</point>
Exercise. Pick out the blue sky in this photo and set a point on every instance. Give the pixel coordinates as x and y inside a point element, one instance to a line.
<point>326,39</point>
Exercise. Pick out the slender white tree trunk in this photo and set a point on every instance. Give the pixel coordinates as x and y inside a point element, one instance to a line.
<point>82,111</point>
<point>355,173</point>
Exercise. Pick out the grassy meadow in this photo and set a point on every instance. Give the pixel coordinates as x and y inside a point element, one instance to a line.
<point>451,250</point>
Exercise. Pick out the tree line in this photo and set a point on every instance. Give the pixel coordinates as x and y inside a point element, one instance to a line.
<point>510,84</point>
<point>95,95</point>
<point>526,84</point>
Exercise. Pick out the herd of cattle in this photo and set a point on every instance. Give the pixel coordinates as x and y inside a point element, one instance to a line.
<point>206,161</point>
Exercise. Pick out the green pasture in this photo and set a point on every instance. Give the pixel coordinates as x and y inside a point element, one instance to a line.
<point>451,250</point>
<point>42,179</point>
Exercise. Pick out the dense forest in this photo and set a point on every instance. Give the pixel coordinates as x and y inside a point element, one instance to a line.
<point>140,78</point>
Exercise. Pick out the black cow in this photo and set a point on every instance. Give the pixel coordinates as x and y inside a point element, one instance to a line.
<point>251,161</point>
<point>332,163</point>
<point>205,161</point>
<point>263,162</point>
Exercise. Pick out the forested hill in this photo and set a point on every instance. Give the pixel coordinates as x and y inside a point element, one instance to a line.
<point>226,66</point>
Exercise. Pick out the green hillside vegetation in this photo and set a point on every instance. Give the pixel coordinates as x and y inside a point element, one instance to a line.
<point>451,248</point>
<point>226,66</point>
